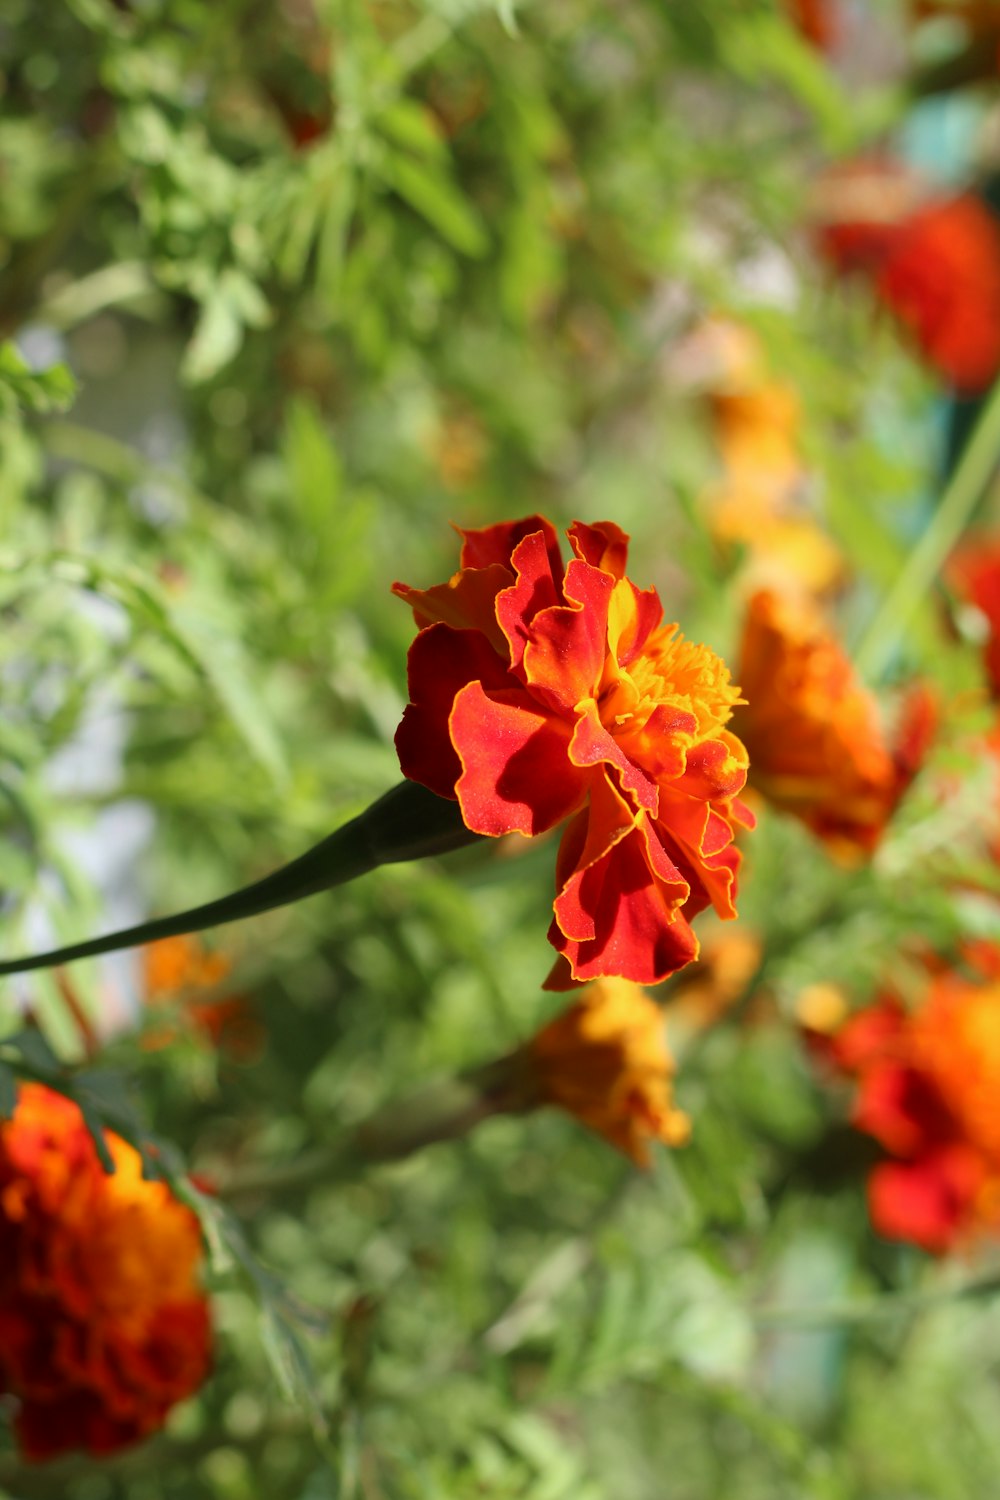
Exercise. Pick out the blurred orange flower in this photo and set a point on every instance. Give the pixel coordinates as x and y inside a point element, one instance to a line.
<point>760,503</point>
<point>605,1060</point>
<point>103,1327</point>
<point>175,970</point>
<point>933,261</point>
<point>927,1089</point>
<point>812,729</point>
<point>815,19</point>
<point>541,692</point>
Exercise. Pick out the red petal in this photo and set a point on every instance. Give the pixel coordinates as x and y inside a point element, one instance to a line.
<point>537,588</point>
<point>602,544</point>
<point>568,644</point>
<point>516,774</point>
<point>441,662</point>
<point>466,601</point>
<point>618,907</point>
<point>496,544</point>
<point>592,745</point>
<point>929,1201</point>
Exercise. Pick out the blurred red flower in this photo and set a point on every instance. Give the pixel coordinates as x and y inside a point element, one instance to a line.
<point>934,262</point>
<point>815,19</point>
<point>927,1086</point>
<point>540,693</point>
<point>812,729</point>
<point>103,1327</point>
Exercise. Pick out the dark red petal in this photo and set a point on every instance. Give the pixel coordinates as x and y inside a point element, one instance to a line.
<point>441,662</point>
<point>496,544</point>
<point>602,544</point>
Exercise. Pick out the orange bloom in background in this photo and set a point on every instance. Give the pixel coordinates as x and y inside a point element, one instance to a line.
<point>175,970</point>
<point>816,744</point>
<point>927,1088</point>
<point>103,1326</point>
<point>973,571</point>
<point>934,262</point>
<point>760,504</point>
<point>541,693</point>
<point>815,19</point>
<point>707,989</point>
<point>605,1060</point>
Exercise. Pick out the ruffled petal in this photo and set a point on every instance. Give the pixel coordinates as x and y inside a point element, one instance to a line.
<point>516,773</point>
<point>602,544</point>
<point>440,663</point>
<point>536,588</point>
<point>567,645</point>
<point>618,907</point>
<point>467,601</point>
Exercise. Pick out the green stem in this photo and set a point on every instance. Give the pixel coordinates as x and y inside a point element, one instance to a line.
<point>443,1111</point>
<point>924,562</point>
<point>407,823</point>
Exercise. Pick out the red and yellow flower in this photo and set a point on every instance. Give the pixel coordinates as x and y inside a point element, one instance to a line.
<point>605,1060</point>
<point>933,261</point>
<point>540,693</point>
<point>103,1326</point>
<point>927,1086</point>
<point>813,731</point>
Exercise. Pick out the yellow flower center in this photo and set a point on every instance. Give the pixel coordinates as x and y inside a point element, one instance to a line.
<point>673,672</point>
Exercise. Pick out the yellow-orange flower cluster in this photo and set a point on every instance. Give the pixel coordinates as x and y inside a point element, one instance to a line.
<point>760,503</point>
<point>103,1327</point>
<point>605,1061</point>
<point>816,745</point>
<point>928,1084</point>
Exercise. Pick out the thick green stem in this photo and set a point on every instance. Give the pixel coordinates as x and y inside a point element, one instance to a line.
<point>924,562</point>
<point>409,822</point>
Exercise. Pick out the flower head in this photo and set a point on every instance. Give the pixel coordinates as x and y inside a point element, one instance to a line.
<point>933,261</point>
<point>927,1085</point>
<point>813,731</point>
<point>605,1060</point>
<point>103,1327</point>
<point>540,694</point>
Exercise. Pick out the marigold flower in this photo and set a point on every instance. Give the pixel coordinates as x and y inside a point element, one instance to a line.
<point>928,1083</point>
<point>540,694</point>
<point>812,729</point>
<point>605,1060</point>
<point>933,262</point>
<point>103,1327</point>
<point>178,968</point>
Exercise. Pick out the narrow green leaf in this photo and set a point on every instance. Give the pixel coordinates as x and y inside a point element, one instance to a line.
<point>438,201</point>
